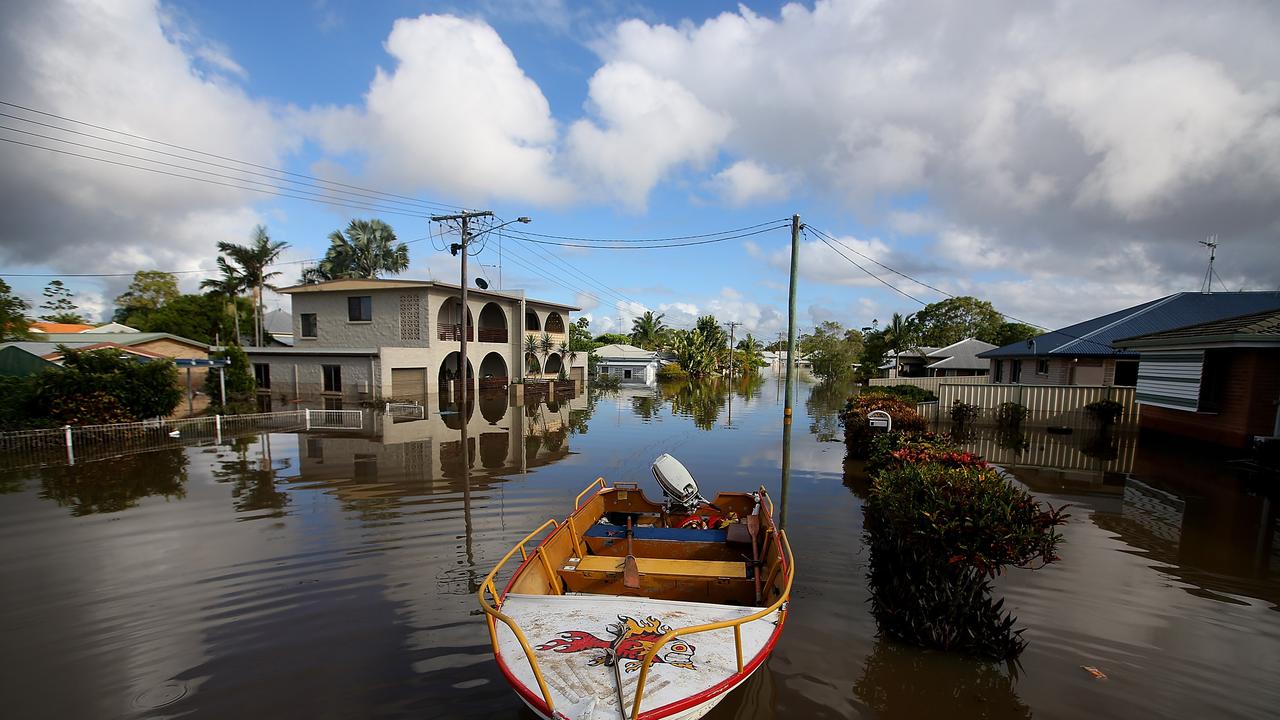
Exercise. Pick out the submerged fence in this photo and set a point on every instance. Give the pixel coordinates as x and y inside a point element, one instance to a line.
<point>1046,404</point>
<point>78,443</point>
<point>929,383</point>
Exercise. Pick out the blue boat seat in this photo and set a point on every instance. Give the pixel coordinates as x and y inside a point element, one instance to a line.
<point>645,532</point>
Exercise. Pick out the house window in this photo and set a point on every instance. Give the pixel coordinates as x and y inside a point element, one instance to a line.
<point>332,378</point>
<point>308,325</point>
<point>1126,373</point>
<point>1042,366</point>
<point>1015,371</point>
<point>626,374</point>
<point>999,371</point>
<point>360,308</point>
<point>262,375</point>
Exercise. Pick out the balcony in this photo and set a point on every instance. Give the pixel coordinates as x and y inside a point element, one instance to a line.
<point>454,332</point>
<point>493,334</point>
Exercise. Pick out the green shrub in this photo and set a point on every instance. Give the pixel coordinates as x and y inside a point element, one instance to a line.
<point>858,434</point>
<point>963,413</point>
<point>1010,415</point>
<point>938,533</point>
<point>140,389</point>
<point>672,371</point>
<point>608,381</point>
<point>1105,412</point>
<point>910,393</point>
<point>893,450</point>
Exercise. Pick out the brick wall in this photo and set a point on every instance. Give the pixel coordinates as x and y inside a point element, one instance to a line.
<point>1248,403</point>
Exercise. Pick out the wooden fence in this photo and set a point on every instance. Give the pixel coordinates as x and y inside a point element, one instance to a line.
<point>928,383</point>
<point>1046,404</point>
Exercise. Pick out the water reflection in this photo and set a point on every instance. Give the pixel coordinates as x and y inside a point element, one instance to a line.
<point>114,485</point>
<point>252,475</point>
<point>903,682</point>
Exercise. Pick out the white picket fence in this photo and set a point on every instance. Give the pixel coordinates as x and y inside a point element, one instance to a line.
<point>77,443</point>
<point>1046,404</point>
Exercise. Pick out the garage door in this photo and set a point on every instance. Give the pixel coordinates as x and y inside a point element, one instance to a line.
<point>408,383</point>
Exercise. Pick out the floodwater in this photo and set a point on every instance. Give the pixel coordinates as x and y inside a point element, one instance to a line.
<point>294,575</point>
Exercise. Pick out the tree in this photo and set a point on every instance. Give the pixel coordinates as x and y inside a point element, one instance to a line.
<point>648,330</point>
<point>13,315</point>
<point>200,317</point>
<point>900,334</point>
<point>612,339</point>
<point>73,393</point>
<point>833,350</point>
<point>1011,332</point>
<point>251,263</point>
<point>228,286</point>
<point>366,249</point>
<point>149,290</point>
<point>954,319</point>
<point>58,305</point>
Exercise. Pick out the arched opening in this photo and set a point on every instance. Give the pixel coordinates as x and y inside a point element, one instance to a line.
<point>531,321</point>
<point>493,369</point>
<point>555,323</point>
<point>449,321</point>
<point>554,365</point>
<point>493,405</point>
<point>494,447</point>
<point>449,384</point>
<point>453,461</point>
<point>531,364</point>
<point>493,324</point>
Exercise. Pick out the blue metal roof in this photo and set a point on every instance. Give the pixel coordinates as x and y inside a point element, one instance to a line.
<point>1094,337</point>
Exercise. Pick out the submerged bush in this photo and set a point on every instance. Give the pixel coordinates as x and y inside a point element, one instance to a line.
<point>963,413</point>
<point>1010,415</point>
<point>1105,412</point>
<point>672,371</point>
<point>858,434</point>
<point>940,525</point>
<point>910,393</point>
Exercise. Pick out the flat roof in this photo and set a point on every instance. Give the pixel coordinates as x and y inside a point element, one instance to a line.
<point>349,284</point>
<point>288,351</point>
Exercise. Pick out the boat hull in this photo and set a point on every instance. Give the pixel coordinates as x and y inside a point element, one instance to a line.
<point>693,713</point>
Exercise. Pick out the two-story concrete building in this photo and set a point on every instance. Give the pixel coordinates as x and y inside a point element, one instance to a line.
<point>399,339</point>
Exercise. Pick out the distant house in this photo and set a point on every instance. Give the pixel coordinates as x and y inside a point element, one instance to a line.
<point>278,325</point>
<point>1217,381</point>
<point>912,362</point>
<point>1083,354</point>
<point>111,327</point>
<point>630,364</point>
<point>143,344</point>
<point>959,359</point>
<point>778,359</point>
<point>52,327</point>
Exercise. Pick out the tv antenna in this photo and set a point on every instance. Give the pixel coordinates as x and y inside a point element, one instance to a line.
<point>1210,242</point>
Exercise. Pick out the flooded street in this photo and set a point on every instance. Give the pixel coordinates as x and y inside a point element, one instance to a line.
<point>297,575</point>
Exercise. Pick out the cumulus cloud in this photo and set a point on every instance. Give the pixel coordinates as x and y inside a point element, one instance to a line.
<point>747,181</point>
<point>1048,127</point>
<point>65,211</point>
<point>455,114</point>
<point>645,127</point>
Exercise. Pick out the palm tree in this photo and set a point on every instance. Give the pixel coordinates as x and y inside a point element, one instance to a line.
<point>531,348</point>
<point>567,355</point>
<point>251,263</point>
<point>545,346</point>
<point>899,334</point>
<point>366,249</point>
<point>230,285</point>
<point>648,330</point>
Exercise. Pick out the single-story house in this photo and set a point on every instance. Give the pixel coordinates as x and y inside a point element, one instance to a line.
<point>778,359</point>
<point>630,364</point>
<point>42,327</point>
<point>1083,354</point>
<point>907,363</point>
<point>1217,381</point>
<point>111,327</point>
<point>959,359</point>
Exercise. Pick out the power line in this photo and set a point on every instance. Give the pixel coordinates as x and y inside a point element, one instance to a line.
<point>875,277</point>
<point>220,157</point>
<point>527,238</point>
<point>877,262</point>
<point>659,239</point>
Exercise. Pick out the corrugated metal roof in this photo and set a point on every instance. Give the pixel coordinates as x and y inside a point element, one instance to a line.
<point>121,338</point>
<point>1261,326</point>
<point>1095,337</point>
<point>16,361</point>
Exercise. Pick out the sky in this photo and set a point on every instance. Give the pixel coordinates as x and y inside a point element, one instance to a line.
<point>1060,159</point>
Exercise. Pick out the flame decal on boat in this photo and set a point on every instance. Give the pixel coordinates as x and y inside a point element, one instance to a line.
<point>636,639</point>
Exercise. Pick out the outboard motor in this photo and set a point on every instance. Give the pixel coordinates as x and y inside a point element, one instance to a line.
<point>677,485</point>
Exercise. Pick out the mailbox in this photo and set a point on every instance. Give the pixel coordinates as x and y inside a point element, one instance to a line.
<point>880,419</point>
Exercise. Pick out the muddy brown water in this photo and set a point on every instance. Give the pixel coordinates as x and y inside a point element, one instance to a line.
<point>292,575</point>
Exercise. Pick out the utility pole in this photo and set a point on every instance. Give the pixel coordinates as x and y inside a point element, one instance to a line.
<point>464,225</point>
<point>733,325</point>
<point>791,364</point>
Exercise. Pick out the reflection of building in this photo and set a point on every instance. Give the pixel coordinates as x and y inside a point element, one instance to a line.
<point>426,454</point>
<point>357,339</point>
<point>1217,381</point>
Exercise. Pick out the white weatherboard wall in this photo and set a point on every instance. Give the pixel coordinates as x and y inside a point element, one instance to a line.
<point>1171,379</point>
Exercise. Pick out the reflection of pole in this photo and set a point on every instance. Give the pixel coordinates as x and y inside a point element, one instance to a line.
<point>466,505</point>
<point>791,365</point>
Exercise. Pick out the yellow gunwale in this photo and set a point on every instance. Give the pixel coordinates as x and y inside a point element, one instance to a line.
<point>493,614</point>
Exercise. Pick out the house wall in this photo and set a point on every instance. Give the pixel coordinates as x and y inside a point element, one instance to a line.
<point>1088,371</point>
<point>169,348</point>
<point>642,373</point>
<point>333,329</point>
<point>359,373</point>
<point>1249,403</point>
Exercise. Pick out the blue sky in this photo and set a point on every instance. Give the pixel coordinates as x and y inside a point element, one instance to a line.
<point>1055,159</point>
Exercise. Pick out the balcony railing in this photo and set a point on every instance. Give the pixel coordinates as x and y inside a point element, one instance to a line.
<point>493,335</point>
<point>453,332</point>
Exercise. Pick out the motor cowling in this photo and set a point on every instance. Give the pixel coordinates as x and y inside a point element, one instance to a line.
<point>677,484</point>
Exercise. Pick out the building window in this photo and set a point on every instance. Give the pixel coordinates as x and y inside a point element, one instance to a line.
<point>332,378</point>
<point>262,375</point>
<point>308,325</point>
<point>626,374</point>
<point>999,371</point>
<point>1042,366</point>
<point>360,308</point>
<point>1015,371</point>
<point>1126,373</point>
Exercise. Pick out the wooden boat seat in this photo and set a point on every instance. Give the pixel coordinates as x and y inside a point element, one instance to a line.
<point>648,532</point>
<point>661,567</point>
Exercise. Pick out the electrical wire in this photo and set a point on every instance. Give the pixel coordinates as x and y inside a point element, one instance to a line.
<point>527,238</point>
<point>660,239</point>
